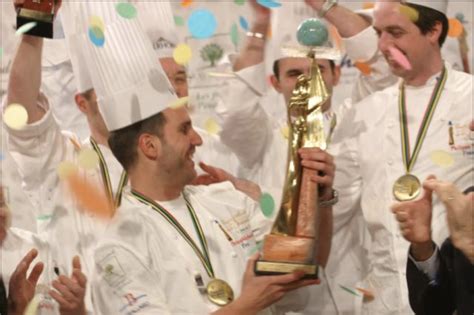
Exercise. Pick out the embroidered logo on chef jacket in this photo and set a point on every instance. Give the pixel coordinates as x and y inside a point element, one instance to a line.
<point>113,273</point>
<point>461,138</point>
<point>134,304</point>
<point>239,232</point>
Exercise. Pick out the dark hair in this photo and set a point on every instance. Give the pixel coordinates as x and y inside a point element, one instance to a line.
<point>276,67</point>
<point>427,20</point>
<point>124,142</point>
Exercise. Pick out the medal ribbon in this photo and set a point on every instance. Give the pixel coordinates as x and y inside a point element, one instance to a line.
<point>106,177</point>
<point>408,161</point>
<point>202,255</point>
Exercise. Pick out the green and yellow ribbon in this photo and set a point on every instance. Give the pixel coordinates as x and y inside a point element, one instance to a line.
<point>202,255</point>
<point>106,177</point>
<point>409,161</point>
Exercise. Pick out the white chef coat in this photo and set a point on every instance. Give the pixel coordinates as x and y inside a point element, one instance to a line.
<point>376,163</point>
<point>144,266</point>
<point>261,145</point>
<point>38,149</point>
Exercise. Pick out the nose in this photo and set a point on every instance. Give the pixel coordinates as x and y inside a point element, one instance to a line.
<point>384,42</point>
<point>196,139</point>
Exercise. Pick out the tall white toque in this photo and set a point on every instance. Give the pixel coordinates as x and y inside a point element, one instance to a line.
<point>129,81</point>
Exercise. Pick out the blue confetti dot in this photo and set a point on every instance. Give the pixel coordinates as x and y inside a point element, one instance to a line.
<point>243,23</point>
<point>96,35</point>
<point>269,3</point>
<point>202,24</point>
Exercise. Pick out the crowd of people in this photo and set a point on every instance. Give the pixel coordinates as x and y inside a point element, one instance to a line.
<point>147,235</point>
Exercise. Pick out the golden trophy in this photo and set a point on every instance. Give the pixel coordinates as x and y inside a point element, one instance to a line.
<point>40,12</point>
<point>293,242</point>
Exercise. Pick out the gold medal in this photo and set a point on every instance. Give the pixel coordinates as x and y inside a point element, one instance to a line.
<point>219,292</point>
<point>407,188</point>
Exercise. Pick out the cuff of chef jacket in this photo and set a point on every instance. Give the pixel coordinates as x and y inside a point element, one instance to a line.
<point>36,128</point>
<point>430,266</point>
<point>254,77</point>
<point>363,46</point>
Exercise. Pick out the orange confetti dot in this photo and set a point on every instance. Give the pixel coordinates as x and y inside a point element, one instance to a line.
<point>186,3</point>
<point>364,68</point>
<point>368,5</point>
<point>90,196</point>
<point>455,28</point>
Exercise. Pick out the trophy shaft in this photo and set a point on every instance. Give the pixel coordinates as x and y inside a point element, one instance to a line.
<point>308,208</point>
<point>288,249</point>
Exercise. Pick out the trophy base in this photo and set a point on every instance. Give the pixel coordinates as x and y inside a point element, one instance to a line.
<point>44,22</point>
<point>263,267</point>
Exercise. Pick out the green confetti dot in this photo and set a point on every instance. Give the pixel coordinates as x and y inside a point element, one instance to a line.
<point>267,204</point>
<point>126,10</point>
<point>1,52</point>
<point>234,35</point>
<point>239,2</point>
<point>179,21</point>
<point>25,28</point>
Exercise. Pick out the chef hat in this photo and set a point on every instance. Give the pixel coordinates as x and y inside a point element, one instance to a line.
<point>438,5</point>
<point>285,23</point>
<point>130,84</point>
<point>158,22</point>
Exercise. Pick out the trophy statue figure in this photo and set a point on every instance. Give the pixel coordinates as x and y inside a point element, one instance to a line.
<point>293,242</point>
<point>40,12</point>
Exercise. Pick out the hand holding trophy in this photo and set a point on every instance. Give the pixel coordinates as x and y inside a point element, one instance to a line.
<point>293,242</point>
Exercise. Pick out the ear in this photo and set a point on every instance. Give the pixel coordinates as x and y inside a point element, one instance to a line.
<point>149,146</point>
<point>276,83</point>
<point>336,75</point>
<point>81,102</point>
<point>435,33</point>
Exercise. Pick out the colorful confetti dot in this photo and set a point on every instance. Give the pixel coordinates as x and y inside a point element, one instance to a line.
<point>400,58</point>
<point>15,116</point>
<point>96,21</point>
<point>178,20</point>
<point>412,14</point>
<point>234,35</point>
<point>364,68</point>
<point>126,10</point>
<point>202,24</point>
<point>25,28</point>
<point>267,205</point>
<point>1,52</point>
<point>271,4</point>
<point>455,28</point>
<point>349,290</point>
<point>182,54</point>
<point>285,132</point>
<point>186,3</point>
<point>66,169</point>
<point>211,126</point>
<point>239,2</point>
<point>32,307</point>
<point>96,35</point>
<point>368,5</point>
<point>179,103</point>
<point>88,159</point>
<point>442,158</point>
<point>243,23</point>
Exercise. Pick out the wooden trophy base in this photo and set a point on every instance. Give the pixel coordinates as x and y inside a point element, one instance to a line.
<point>286,254</point>
<point>44,22</point>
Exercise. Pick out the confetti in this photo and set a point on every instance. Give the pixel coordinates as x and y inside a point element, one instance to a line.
<point>2,157</point>
<point>32,307</point>
<point>267,204</point>
<point>96,21</point>
<point>285,131</point>
<point>179,103</point>
<point>349,290</point>
<point>399,58</point>
<point>96,35</point>
<point>364,68</point>
<point>234,35</point>
<point>269,3</point>
<point>15,116</point>
<point>25,28</point>
<point>211,126</point>
<point>460,17</point>
<point>88,159</point>
<point>239,2</point>
<point>65,169</point>
<point>243,23</point>
<point>412,14</point>
<point>455,28</point>
<point>368,295</point>
<point>126,10</point>
<point>186,3</point>
<point>221,74</point>
<point>178,20</point>
<point>90,196</point>
<point>1,52</point>
<point>44,217</point>
<point>368,5</point>
<point>182,54</point>
<point>442,158</point>
<point>202,24</point>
